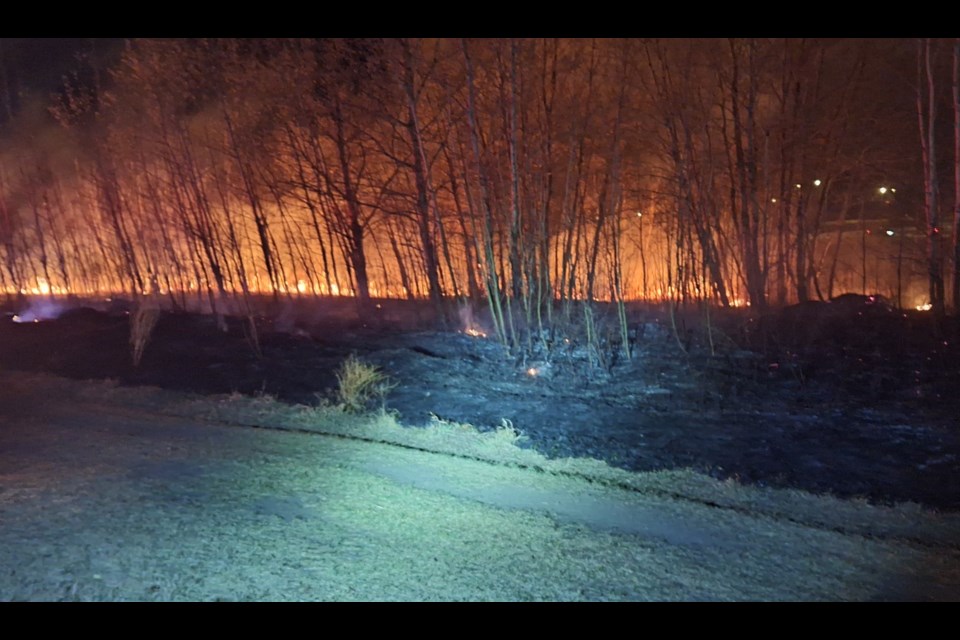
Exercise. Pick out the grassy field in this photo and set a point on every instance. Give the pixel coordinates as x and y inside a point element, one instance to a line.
<point>111,493</point>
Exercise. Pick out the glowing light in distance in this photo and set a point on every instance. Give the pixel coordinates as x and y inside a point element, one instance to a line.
<point>890,232</point>
<point>882,190</point>
<point>924,307</point>
<point>816,182</point>
<point>532,372</point>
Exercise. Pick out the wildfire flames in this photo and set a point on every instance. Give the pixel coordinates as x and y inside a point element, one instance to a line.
<point>476,333</point>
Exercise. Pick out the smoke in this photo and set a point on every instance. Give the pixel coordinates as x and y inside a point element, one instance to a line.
<point>40,310</point>
<point>470,323</point>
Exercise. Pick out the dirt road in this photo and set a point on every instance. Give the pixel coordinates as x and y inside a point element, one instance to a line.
<point>111,502</point>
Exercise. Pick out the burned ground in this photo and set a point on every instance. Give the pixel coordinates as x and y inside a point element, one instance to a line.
<point>851,397</point>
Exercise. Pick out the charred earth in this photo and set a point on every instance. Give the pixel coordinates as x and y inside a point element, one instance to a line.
<point>850,397</point>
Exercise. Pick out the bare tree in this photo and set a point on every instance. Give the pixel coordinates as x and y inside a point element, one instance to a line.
<point>926,113</point>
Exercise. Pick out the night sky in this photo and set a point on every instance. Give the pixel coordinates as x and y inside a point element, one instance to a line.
<point>39,64</point>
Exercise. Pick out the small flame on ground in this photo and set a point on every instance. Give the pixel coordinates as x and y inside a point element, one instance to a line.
<point>532,371</point>
<point>476,333</point>
<point>924,307</point>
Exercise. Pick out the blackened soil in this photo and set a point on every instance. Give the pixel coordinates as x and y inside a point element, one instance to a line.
<point>850,398</point>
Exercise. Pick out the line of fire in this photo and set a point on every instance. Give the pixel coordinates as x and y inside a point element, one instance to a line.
<point>525,172</point>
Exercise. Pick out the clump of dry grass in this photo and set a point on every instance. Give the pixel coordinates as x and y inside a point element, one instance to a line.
<point>142,322</point>
<point>359,384</point>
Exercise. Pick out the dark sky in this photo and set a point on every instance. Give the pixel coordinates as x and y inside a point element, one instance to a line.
<point>40,63</point>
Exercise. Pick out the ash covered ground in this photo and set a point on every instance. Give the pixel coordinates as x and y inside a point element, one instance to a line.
<point>851,397</point>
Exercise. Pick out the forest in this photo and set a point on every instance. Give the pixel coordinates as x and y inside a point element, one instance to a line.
<point>529,176</point>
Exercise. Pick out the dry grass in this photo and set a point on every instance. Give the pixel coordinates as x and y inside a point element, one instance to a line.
<point>359,384</point>
<point>331,519</point>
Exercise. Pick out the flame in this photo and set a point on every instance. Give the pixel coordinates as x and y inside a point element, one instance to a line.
<point>533,371</point>
<point>476,333</point>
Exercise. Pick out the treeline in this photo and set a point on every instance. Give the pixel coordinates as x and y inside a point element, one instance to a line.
<point>518,172</point>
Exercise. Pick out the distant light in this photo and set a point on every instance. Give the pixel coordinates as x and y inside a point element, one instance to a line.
<point>532,371</point>
<point>816,182</point>
<point>892,190</point>
<point>882,190</point>
<point>799,186</point>
<point>924,307</point>
<point>639,214</point>
<point>773,199</point>
<point>890,232</point>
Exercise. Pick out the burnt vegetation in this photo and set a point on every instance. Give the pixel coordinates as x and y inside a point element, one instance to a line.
<point>730,226</point>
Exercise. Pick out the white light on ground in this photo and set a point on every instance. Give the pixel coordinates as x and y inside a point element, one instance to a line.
<point>816,182</point>
<point>882,190</point>
<point>532,371</point>
<point>889,232</point>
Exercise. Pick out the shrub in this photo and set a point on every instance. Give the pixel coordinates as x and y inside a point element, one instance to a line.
<point>359,384</point>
